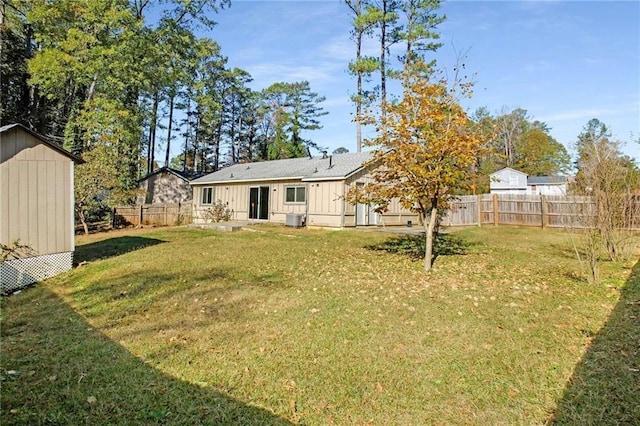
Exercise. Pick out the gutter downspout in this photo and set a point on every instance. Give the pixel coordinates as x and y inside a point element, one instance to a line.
<point>306,205</point>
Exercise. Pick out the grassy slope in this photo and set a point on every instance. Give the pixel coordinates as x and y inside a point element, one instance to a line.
<point>189,326</point>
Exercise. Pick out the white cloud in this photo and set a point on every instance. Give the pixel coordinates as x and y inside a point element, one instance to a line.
<point>267,73</point>
<point>537,67</point>
<point>588,113</point>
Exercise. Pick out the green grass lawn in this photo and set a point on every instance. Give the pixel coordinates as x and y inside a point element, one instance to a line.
<point>276,326</point>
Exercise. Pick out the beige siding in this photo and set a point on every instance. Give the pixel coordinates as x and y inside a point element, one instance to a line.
<point>395,214</point>
<point>326,203</point>
<point>35,194</point>
<point>163,188</point>
<point>236,197</point>
<point>278,207</point>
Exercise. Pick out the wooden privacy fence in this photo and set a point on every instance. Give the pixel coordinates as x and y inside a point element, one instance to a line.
<point>526,210</point>
<point>152,214</point>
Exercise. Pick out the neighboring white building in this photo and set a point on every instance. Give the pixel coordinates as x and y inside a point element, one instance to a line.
<point>508,181</point>
<point>547,185</point>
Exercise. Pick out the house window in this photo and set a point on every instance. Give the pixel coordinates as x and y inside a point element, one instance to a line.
<point>207,195</point>
<point>513,180</point>
<point>295,194</point>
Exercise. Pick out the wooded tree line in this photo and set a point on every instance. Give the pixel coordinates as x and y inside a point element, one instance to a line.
<point>407,26</point>
<point>121,82</point>
<point>108,83</point>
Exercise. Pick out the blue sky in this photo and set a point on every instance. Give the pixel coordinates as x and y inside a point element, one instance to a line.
<point>565,62</point>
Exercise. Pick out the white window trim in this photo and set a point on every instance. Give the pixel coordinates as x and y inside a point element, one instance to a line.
<point>295,194</point>
<point>203,191</point>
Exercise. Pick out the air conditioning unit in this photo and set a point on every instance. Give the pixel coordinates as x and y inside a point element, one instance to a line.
<point>295,220</point>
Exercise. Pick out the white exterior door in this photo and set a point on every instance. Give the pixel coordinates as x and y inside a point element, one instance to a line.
<point>361,214</point>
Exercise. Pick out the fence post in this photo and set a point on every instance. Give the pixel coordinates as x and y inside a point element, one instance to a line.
<point>479,208</point>
<point>495,209</point>
<point>164,207</point>
<point>543,210</point>
<point>113,218</point>
<point>140,216</point>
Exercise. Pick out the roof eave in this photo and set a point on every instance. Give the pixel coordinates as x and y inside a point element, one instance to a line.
<point>215,182</point>
<point>47,142</point>
<point>320,179</point>
<point>160,170</point>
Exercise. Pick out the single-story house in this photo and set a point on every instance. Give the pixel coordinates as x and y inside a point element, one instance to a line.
<point>36,206</point>
<point>166,186</point>
<point>312,187</point>
<point>547,185</point>
<point>508,181</point>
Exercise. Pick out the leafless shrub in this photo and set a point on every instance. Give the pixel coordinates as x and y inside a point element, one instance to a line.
<point>219,212</point>
<point>610,220</point>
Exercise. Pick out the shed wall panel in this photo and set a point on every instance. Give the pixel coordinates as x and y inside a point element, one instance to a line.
<point>42,224</point>
<point>36,194</point>
<point>51,201</point>
<point>4,202</point>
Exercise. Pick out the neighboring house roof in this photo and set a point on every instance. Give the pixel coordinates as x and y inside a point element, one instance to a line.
<point>507,169</point>
<point>186,176</point>
<point>546,180</point>
<point>44,140</point>
<point>335,167</point>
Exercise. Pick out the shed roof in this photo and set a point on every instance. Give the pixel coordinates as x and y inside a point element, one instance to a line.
<point>507,169</point>
<point>42,139</point>
<point>186,176</point>
<point>546,180</point>
<point>335,167</point>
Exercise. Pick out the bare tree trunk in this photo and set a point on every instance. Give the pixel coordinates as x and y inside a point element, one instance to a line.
<point>216,149</point>
<point>83,220</point>
<point>166,157</point>
<point>152,134</point>
<point>383,55</point>
<point>429,231</point>
<point>359,94</point>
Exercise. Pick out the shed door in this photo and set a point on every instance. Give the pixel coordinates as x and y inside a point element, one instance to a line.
<point>259,203</point>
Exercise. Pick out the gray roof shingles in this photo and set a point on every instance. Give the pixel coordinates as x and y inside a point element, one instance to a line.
<point>546,180</point>
<point>314,168</point>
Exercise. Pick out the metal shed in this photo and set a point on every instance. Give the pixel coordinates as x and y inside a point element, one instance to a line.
<point>36,206</point>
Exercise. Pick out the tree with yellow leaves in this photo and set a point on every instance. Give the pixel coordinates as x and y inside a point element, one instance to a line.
<point>425,154</point>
